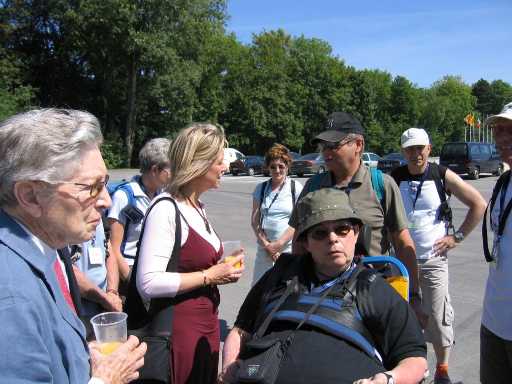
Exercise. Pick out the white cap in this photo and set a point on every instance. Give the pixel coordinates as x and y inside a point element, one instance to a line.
<point>414,136</point>
<point>506,113</point>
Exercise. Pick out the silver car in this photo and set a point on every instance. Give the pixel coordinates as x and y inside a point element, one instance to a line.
<point>370,159</point>
<point>310,163</point>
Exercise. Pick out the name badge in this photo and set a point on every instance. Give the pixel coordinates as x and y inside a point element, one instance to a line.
<point>95,256</point>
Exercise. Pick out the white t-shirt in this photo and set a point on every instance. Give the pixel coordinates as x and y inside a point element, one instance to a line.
<point>497,309</point>
<point>132,231</point>
<point>157,243</point>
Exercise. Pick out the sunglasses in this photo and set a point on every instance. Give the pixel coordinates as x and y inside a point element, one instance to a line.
<point>94,189</point>
<point>321,233</point>
<point>327,145</point>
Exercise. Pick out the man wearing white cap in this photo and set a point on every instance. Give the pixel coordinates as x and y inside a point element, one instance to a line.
<point>424,187</point>
<point>496,329</point>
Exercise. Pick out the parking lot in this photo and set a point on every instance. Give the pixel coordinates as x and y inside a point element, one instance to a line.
<point>229,209</point>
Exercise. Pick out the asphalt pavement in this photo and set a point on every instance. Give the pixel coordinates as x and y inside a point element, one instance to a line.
<point>229,209</point>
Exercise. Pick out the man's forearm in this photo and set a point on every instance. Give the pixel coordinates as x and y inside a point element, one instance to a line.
<point>87,289</point>
<point>410,370</point>
<point>472,219</point>
<point>232,346</point>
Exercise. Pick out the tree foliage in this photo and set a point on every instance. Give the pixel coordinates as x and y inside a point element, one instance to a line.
<point>146,68</point>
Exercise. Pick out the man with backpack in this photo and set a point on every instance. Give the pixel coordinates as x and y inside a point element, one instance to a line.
<point>424,187</point>
<point>130,201</point>
<point>496,329</point>
<point>371,193</point>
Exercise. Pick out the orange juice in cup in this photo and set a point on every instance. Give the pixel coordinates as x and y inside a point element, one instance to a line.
<point>228,259</point>
<point>231,251</point>
<point>108,348</point>
<point>109,330</point>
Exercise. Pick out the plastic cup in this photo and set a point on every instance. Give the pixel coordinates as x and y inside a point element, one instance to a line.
<point>109,330</point>
<point>231,247</point>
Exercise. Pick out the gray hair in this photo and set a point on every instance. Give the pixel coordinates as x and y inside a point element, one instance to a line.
<point>154,152</point>
<point>193,152</point>
<point>43,144</point>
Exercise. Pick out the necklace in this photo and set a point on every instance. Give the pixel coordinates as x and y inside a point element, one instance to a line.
<point>201,213</point>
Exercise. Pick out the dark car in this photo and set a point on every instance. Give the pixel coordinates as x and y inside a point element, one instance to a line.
<point>293,155</point>
<point>391,161</point>
<point>251,165</point>
<point>310,163</point>
<point>471,158</point>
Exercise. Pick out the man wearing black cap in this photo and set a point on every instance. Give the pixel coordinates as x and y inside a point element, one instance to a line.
<point>342,144</point>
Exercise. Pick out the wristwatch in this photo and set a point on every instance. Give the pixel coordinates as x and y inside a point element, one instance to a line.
<point>458,236</point>
<point>391,379</point>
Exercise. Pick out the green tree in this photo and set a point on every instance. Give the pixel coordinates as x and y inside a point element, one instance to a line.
<point>501,92</point>
<point>484,97</point>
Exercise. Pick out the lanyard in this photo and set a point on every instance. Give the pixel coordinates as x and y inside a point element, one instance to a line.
<point>269,185</point>
<point>503,216</point>
<point>418,191</point>
<point>345,275</point>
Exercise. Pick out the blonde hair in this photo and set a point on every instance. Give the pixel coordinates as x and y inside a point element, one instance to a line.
<point>192,152</point>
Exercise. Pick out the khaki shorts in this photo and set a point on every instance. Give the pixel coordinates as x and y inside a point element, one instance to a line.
<point>436,301</point>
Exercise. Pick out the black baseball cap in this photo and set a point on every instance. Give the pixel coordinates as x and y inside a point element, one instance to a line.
<point>338,126</point>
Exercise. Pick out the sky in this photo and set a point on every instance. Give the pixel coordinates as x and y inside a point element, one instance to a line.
<point>421,40</point>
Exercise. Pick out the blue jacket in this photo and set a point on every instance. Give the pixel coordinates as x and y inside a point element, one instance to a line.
<point>42,340</point>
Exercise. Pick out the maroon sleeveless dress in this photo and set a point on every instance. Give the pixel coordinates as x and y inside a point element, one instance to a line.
<point>195,324</point>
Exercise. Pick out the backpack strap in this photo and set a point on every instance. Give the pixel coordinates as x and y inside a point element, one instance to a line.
<point>128,190</point>
<point>138,314</point>
<point>503,179</point>
<point>378,186</point>
<point>439,179</point>
<point>262,193</point>
<point>315,182</point>
<point>293,192</point>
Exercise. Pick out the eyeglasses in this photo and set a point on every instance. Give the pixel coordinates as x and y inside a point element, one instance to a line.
<point>276,167</point>
<point>94,189</point>
<point>320,232</point>
<point>327,145</point>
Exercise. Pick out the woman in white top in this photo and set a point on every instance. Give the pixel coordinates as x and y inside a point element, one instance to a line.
<point>196,159</point>
<point>272,206</point>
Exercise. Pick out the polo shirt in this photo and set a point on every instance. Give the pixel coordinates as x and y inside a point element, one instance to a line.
<point>94,268</point>
<point>132,233</point>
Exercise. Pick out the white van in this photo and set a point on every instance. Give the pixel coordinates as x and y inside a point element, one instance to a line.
<point>232,154</point>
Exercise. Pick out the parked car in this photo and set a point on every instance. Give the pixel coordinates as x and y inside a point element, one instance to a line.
<point>471,158</point>
<point>391,161</point>
<point>370,159</point>
<point>251,165</point>
<point>230,155</point>
<point>294,156</point>
<point>310,163</point>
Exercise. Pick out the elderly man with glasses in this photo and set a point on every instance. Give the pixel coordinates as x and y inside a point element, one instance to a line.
<point>321,318</point>
<point>52,195</point>
<point>342,144</point>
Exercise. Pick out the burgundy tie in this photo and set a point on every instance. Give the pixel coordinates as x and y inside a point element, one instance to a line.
<point>63,286</point>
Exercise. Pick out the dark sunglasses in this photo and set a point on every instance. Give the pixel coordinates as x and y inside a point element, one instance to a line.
<point>320,232</point>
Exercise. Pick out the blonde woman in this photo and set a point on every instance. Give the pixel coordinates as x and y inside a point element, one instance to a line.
<point>196,159</point>
<point>273,202</point>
